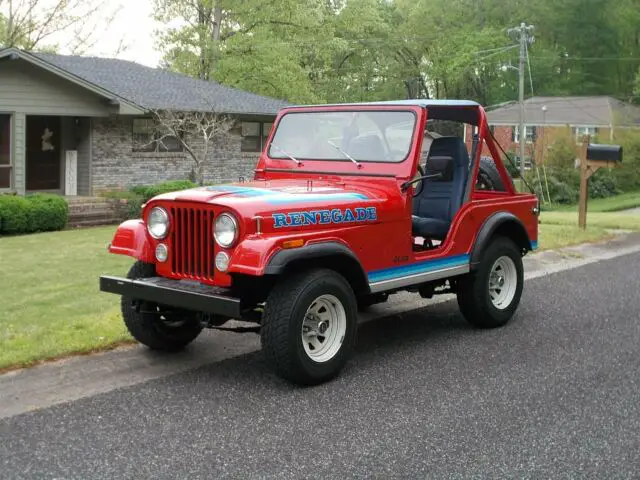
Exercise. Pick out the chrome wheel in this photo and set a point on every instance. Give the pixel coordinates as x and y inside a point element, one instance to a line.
<point>503,282</point>
<point>324,328</point>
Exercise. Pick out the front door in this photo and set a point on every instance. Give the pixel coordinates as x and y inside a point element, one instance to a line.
<point>43,153</point>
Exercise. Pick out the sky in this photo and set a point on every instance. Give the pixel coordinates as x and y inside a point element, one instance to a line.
<point>136,26</point>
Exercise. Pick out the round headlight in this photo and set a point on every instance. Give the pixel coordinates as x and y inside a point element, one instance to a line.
<point>222,261</point>
<point>225,230</point>
<point>162,252</point>
<point>158,223</point>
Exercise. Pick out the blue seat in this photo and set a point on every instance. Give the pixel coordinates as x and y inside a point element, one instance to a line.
<point>440,199</point>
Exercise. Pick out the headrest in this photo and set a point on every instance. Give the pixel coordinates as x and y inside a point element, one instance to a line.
<point>440,164</point>
<point>451,146</point>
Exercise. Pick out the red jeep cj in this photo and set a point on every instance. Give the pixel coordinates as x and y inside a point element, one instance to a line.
<point>349,204</point>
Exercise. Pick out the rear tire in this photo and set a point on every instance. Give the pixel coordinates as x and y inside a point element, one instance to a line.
<point>170,332</point>
<point>489,177</point>
<point>309,326</point>
<point>489,297</point>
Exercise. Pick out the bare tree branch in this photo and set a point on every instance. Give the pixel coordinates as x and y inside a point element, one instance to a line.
<point>32,22</point>
<point>197,132</point>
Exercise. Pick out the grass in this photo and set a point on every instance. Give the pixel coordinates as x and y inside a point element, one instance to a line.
<point>602,220</point>
<point>616,203</point>
<point>51,305</point>
<point>557,236</point>
<point>560,229</point>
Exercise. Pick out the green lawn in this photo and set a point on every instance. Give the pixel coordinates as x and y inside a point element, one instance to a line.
<point>617,221</point>
<point>51,304</point>
<point>612,204</point>
<point>557,236</point>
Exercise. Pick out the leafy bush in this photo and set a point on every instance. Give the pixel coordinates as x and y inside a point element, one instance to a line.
<point>138,195</point>
<point>33,213</point>
<point>562,152</point>
<point>14,214</point>
<point>47,212</point>
<point>150,191</point>
<point>564,184</point>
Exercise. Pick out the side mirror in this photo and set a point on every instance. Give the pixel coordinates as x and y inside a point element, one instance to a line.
<point>605,153</point>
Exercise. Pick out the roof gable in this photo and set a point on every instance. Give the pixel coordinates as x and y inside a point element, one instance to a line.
<point>150,88</point>
<point>592,111</point>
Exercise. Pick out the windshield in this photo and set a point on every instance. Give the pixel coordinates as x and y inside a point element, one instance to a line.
<point>362,136</point>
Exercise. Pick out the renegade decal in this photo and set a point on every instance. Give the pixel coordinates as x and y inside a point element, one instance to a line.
<point>324,217</point>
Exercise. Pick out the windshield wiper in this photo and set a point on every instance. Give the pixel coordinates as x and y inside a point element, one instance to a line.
<point>288,155</point>
<point>337,147</point>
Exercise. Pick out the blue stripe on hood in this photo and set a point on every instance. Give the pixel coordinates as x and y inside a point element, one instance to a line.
<point>280,197</point>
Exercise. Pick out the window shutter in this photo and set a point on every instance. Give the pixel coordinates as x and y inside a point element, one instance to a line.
<point>513,134</point>
<point>534,134</point>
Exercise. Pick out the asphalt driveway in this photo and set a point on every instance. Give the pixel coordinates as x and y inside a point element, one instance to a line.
<point>554,394</point>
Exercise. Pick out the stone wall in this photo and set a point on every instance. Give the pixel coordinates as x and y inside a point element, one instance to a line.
<point>115,166</point>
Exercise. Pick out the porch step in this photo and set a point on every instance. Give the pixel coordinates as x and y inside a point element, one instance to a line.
<point>91,211</point>
<point>92,223</point>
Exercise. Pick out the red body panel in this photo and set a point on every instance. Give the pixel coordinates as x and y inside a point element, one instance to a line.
<point>373,216</point>
<point>132,239</point>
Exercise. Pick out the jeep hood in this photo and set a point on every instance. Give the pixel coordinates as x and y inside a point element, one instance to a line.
<point>274,195</point>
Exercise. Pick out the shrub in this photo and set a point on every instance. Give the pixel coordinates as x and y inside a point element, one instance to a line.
<point>47,212</point>
<point>33,213</point>
<point>562,152</point>
<point>14,214</point>
<point>140,194</point>
<point>150,191</point>
<point>564,184</point>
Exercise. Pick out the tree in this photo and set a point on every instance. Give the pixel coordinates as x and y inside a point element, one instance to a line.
<point>52,24</point>
<point>197,132</point>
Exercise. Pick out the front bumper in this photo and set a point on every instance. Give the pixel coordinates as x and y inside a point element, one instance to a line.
<point>175,293</point>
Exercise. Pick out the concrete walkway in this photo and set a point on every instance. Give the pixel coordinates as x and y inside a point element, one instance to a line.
<point>632,211</point>
<point>80,377</point>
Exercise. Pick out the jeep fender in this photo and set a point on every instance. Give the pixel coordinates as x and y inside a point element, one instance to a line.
<point>330,254</point>
<point>131,240</point>
<point>503,223</point>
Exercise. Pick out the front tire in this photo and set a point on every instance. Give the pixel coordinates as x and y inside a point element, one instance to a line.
<point>166,331</point>
<point>489,297</point>
<point>309,326</point>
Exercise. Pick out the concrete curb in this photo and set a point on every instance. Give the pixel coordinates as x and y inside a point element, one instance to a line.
<point>79,377</point>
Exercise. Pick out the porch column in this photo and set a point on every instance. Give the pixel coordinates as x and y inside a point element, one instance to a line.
<point>19,157</point>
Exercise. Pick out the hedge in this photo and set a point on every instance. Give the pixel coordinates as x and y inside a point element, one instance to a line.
<point>33,213</point>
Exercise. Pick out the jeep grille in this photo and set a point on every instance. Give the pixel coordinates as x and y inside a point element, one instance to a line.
<point>192,239</point>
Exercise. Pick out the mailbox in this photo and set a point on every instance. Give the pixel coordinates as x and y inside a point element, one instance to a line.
<point>605,153</point>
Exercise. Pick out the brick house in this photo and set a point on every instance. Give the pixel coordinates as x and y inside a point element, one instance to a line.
<point>549,117</point>
<point>68,124</point>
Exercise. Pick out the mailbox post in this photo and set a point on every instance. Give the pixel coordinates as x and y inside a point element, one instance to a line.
<point>593,157</point>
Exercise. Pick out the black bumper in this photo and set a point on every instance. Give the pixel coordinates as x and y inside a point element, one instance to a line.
<point>175,293</point>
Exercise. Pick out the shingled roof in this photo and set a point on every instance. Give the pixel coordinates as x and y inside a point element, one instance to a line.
<point>587,111</point>
<point>152,88</point>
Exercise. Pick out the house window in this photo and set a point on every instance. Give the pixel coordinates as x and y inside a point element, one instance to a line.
<point>148,138</point>
<point>254,136</point>
<point>530,134</point>
<point>581,132</point>
<point>5,152</point>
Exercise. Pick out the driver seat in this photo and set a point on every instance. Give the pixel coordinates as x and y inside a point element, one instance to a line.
<point>440,199</point>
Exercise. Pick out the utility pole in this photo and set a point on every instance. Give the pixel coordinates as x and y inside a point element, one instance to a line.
<point>522,34</point>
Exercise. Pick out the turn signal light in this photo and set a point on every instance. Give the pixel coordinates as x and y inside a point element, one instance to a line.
<point>292,243</point>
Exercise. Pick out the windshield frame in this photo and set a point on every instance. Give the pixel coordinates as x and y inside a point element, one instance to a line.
<point>345,109</point>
